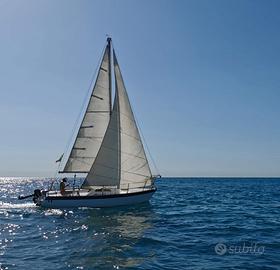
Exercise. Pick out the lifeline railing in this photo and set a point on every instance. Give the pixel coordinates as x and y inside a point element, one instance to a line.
<point>148,184</point>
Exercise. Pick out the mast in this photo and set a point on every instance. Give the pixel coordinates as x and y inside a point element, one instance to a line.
<point>119,129</point>
<point>109,41</point>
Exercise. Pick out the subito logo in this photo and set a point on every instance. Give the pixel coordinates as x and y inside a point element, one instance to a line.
<point>220,249</point>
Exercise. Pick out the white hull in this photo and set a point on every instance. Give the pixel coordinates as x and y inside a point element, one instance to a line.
<point>96,201</point>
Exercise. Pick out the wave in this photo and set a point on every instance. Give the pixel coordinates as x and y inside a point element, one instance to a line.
<point>4,205</point>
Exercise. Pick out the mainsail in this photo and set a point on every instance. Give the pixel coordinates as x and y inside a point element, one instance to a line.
<point>121,160</point>
<point>95,121</point>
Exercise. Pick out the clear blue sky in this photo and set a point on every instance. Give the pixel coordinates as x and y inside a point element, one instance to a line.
<point>203,78</point>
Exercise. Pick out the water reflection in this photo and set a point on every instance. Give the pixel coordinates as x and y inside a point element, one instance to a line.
<point>113,236</point>
<point>70,238</point>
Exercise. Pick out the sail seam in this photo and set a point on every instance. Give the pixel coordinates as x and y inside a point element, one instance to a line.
<point>110,148</point>
<point>132,120</point>
<point>137,155</point>
<point>137,169</point>
<point>124,133</point>
<point>102,165</point>
<point>101,86</point>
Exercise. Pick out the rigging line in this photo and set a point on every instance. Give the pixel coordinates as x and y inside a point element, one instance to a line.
<point>86,99</point>
<point>146,145</point>
<point>54,181</point>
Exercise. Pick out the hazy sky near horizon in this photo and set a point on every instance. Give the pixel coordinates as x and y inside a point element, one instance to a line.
<point>202,76</point>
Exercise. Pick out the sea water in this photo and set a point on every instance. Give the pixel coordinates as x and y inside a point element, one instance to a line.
<point>194,223</point>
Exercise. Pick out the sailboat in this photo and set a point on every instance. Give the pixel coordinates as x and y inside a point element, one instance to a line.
<point>108,148</point>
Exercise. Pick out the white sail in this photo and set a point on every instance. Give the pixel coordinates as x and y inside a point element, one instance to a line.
<point>105,169</point>
<point>95,122</point>
<point>121,160</point>
<point>134,166</point>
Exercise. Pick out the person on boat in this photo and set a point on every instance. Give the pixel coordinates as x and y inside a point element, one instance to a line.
<point>63,186</point>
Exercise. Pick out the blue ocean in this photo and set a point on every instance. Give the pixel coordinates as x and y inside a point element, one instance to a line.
<point>190,223</point>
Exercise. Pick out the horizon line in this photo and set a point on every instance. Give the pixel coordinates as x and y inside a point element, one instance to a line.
<point>168,176</point>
